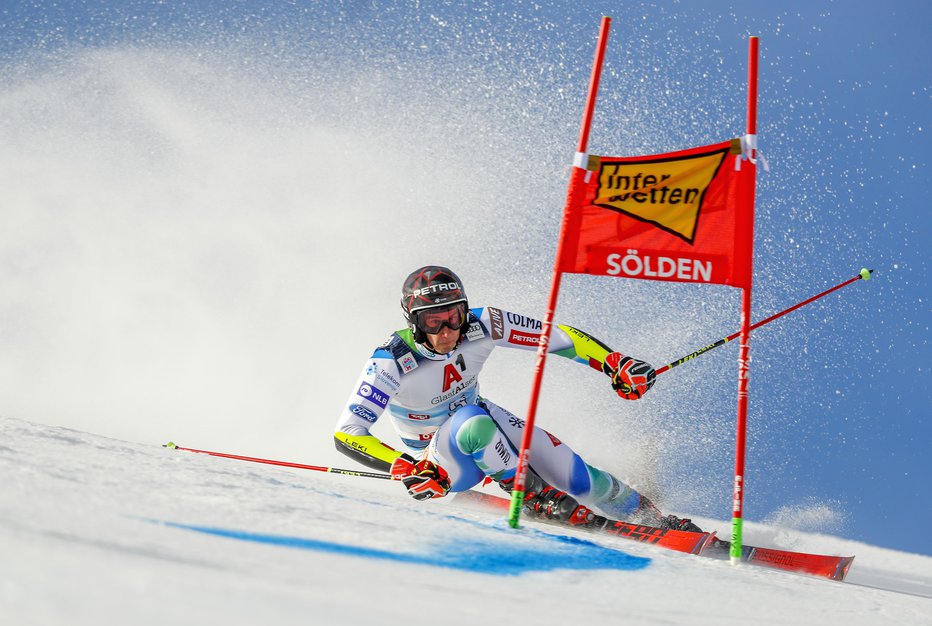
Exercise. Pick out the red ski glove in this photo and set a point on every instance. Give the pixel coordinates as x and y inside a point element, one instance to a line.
<point>423,479</point>
<point>631,378</point>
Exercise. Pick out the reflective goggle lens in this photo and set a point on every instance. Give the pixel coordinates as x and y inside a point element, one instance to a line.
<point>431,321</point>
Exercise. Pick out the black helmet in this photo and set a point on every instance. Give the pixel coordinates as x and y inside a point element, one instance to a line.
<point>429,287</point>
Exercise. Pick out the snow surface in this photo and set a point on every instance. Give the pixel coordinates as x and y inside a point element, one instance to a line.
<point>95,530</point>
<point>209,207</point>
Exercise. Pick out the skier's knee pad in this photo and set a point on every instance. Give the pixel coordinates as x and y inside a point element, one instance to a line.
<point>475,434</point>
<point>472,429</point>
<point>458,459</point>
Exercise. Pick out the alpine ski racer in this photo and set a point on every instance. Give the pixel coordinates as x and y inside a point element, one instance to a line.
<point>425,379</point>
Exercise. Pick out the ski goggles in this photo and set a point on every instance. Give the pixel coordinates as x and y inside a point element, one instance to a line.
<point>432,321</point>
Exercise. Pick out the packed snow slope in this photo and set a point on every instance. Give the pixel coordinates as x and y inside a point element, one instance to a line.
<point>207,209</point>
<point>99,531</point>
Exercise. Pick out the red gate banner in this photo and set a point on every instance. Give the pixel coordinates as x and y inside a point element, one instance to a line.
<point>683,216</point>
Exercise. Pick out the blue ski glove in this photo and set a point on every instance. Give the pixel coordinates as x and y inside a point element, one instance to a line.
<point>631,378</point>
<point>423,479</point>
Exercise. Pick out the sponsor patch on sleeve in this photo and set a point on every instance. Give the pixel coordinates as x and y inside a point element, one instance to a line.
<point>406,362</point>
<point>475,332</point>
<point>523,339</point>
<point>373,394</point>
<point>363,412</point>
<point>498,323</point>
<point>388,380</point>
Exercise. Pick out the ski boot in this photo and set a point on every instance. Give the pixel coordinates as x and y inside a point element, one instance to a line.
<point>650,515</point>
<point>549,503</point>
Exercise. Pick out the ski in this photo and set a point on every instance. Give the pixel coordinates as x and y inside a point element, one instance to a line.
<point>834,567</point>
<point>701,544</point>
<point>677,540</point>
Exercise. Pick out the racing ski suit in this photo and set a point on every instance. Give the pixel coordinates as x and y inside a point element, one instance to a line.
<point>435,407</point>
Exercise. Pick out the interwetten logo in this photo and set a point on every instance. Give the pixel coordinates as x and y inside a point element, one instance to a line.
<point>665,192</point>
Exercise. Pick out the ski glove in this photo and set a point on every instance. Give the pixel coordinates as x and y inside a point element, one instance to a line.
<point>631,378</point>
<point>423,479</point>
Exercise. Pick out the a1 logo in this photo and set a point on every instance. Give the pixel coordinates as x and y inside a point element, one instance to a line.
<point>450,376</point>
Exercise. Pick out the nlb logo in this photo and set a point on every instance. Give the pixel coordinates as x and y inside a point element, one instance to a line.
<point>373,394</point>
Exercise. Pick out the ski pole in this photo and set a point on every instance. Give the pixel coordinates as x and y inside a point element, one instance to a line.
<point>317,468</point>
<point>864,274</point>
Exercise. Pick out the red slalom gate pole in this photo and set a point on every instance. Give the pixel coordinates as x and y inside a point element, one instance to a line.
<point>744,351</point>
<point>577,182</point>
<point>252,459</point>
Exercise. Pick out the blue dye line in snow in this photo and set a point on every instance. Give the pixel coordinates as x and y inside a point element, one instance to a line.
<point>487,557</point>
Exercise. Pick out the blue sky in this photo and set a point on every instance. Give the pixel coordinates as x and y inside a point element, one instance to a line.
<point>840,390</point>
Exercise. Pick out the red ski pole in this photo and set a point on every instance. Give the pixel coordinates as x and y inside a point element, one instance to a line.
<point>316,468</point>
<point>864,274</point>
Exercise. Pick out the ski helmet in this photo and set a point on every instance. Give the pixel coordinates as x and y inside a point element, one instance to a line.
<point>429,287</point>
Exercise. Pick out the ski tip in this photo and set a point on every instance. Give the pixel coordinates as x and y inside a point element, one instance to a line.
<point>706,543</point>
<point>844,564</point>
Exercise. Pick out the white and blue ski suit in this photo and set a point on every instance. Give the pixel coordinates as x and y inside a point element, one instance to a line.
<point>434,404</point>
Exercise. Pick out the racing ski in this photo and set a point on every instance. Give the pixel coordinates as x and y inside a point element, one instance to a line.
<point>678,540</point>
<point>834,567</point>
<point>701,544</point>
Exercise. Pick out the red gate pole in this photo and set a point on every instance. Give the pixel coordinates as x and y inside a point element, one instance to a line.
<point>744,364</point>
<point>570,220</point>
